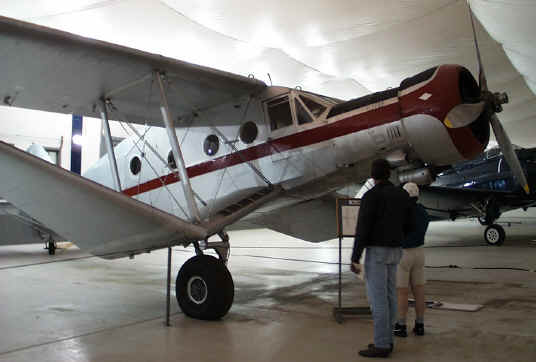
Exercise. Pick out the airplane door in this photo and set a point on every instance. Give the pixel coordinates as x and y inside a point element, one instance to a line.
<point>285,161</point>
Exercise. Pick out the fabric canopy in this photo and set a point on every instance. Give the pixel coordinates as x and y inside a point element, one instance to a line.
<point>340,48</point>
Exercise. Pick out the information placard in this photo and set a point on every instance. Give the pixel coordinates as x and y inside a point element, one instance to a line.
<point>347,212</point>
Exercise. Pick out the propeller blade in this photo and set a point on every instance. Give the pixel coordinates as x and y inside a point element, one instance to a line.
<point>482,82</point>
<point>508,152</point>
<point>464,114</point>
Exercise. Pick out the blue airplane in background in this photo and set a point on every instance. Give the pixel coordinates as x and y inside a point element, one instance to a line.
<point>484,188</point>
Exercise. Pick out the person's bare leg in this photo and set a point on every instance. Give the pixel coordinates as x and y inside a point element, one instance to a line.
<point>402,303</point>
<point>418,292</point>
<point>400,329</point>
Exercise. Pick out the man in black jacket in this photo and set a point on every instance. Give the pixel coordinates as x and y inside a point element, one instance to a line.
<point>385,217</point>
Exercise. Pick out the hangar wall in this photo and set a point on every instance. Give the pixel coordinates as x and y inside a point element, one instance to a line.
<point>53,131</point>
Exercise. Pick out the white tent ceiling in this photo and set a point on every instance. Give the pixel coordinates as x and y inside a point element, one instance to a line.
<point>340,48</point>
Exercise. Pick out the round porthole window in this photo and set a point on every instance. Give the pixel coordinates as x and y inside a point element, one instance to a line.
<point>171,160</point>
<point>135,165</point>
<point>248,132</point>
<point>211,145</point>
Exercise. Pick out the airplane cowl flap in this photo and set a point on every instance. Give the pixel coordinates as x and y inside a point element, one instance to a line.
<point>99,220</point>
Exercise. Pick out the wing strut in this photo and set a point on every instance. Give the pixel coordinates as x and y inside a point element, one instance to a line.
<point>175,147</point>
<point>109,147</point>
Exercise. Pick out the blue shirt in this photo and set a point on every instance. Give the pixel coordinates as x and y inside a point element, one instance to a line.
<point>416,237</point>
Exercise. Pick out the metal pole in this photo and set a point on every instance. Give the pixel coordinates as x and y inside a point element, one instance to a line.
<point>109,147</point>
<point>168,295</point>
<point>179,160</point>
<point>340,271</point>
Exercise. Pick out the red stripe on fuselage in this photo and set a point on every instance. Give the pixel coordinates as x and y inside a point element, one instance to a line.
<point>386,114</point>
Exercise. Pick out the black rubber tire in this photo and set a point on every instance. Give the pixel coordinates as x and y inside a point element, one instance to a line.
<point>51,248</point>
<point>217,288</point>
<point>494,235</point>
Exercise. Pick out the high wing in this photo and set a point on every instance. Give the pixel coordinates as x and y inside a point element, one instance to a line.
<point>56,71</point>
<point>104,222</point>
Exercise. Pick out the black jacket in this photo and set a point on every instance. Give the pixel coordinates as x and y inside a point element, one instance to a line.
<point>386,216</point>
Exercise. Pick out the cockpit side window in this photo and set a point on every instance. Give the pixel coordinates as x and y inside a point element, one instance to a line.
<point>315,108</point>
<point>279,113</point>
<point>303,115</point>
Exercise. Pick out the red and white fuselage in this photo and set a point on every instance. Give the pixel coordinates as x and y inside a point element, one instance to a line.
<point>308,144</point>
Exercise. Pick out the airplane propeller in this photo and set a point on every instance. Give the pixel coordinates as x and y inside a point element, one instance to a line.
<point>493,104</point>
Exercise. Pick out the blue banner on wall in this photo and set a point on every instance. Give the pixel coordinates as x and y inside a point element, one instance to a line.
<point>76,144</point>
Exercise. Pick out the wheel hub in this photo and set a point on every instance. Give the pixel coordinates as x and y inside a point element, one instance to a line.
<point>197,290</point>
<point>493,235</point>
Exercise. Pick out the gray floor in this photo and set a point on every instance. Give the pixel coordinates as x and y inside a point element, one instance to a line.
<point>73,307</point>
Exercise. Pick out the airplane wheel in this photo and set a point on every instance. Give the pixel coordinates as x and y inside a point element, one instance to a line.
<point>205,288</point>
<point>51,248</point>
<point>494,235</point>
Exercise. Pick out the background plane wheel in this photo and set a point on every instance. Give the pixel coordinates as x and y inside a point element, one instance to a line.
<point>51,248</point>
<point>205,288</point>
<point>494,235</point>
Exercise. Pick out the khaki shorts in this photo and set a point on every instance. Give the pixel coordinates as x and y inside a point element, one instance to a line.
<point>411,268</point>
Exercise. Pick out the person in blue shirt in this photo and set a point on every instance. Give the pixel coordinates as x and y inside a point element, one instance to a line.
<point>410,271</point>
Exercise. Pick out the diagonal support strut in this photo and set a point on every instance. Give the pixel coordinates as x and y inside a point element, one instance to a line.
<point>109,147</point>
<point>177,153</point>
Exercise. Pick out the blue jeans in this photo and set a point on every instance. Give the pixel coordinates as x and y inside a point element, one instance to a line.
<point>380,274</point>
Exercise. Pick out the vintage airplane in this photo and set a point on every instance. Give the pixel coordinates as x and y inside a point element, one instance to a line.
<point>483,188</point>
<point>258,154</point>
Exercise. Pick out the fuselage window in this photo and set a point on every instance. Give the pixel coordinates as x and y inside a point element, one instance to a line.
<point>248,132</point>
<point>279,113</point>
<point>171,160</point>
<point>135,165</point>
<point>303,115</point>
<point>315,108</point>
<point>211,145</point>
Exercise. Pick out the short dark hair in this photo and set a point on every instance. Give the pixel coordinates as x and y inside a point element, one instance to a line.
<point>380,169</point>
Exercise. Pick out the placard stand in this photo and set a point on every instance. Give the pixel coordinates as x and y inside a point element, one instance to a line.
<point>347,212</point>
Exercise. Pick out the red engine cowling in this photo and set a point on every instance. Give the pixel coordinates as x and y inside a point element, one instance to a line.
<point>435,92</point>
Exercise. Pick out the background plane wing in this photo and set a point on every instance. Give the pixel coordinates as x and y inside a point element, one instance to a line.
<point>16,227</point>
<point>97,219</point>
<point>55,71</point>
<point>451,202</point>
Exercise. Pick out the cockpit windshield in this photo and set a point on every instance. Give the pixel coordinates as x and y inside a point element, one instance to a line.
<point>297,108</point>
<point>316,108</point>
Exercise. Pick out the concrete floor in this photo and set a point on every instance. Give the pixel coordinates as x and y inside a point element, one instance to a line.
<point>74,307</point>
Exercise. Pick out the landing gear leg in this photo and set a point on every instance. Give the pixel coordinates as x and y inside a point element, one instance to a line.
<point>223,249</point>
<point>51,246</point>
<point>494,235</point>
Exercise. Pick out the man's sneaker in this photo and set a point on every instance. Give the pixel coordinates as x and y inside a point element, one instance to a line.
<point>400,330</point>
<point>373,351</point>
<point>419,329</point>
<point>391,346</point>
